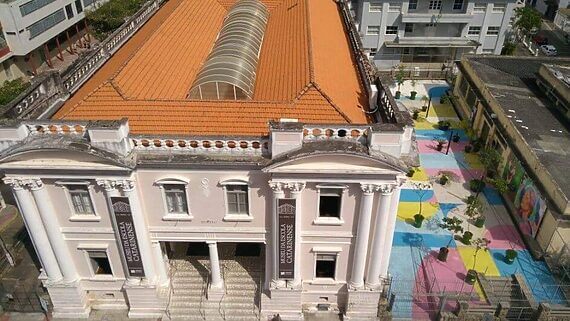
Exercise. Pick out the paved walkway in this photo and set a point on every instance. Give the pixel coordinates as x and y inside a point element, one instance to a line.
<point>414,265</point>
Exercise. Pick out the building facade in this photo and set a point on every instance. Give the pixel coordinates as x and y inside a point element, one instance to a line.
<point>431,32</point>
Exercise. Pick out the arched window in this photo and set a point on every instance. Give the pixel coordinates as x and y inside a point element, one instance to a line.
<point>237,200</point>
<point>175,198</point>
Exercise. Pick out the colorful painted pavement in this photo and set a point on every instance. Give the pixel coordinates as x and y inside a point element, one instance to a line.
<point>414,266</point>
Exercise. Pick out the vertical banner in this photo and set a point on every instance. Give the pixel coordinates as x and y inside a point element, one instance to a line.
<point>127,235</point>
<point>286,215</point>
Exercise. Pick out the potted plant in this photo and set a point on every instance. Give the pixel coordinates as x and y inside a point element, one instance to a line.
<point>452,224</point>
<point>415,114</point>
<point>476,146</point>
<point>444,125</point>
<point>466,237</point>
<point>474,211</point>
<point>500,184</point>
<point>421,189</point>
<point>418,220</point>
<point>443,179</point>
<point>400,75</point>
<point>491,159</point>
<point>510,256</point>
<point>425,101</point>
<point>456,138</point>
<point>468,148</point>
<point>480,244</point>
<point>440,142</point>
<point>411,172</point>
<point>476,185</point>
<point>413,93</point>
<point>444,99</point>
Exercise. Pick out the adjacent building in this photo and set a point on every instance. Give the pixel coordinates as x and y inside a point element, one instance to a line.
<point>187,181</point>
<point>436,32</point>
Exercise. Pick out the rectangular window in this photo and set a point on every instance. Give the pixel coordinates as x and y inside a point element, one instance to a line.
<point>329,202</point>
<point>69,11</point>
<point>46,23</point>
<point>81,199</point>
<point>375,7</point>
<point>395,7</point>
<point>391,30</point>
<point>409,27</point>
<point>373,30</point>
<point>499,7</point>
<point>33,5</point>
<point>100,263</point>
<point>457,4</point>
<point>474,30</point>
<point>325,266</point>
<point>434,5</point>
<point>493,31</point>
<point>237,196</point>
<point>78,6</point>
<point>87,3</point>
<point>480,7</point>
<point>175,195</point>
<point>413,5</point>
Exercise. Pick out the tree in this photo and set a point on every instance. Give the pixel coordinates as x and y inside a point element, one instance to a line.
<point>400,76</point>
<point>11,89</point>
<point>421,189</point>
<point>491,159</point>
<point>527,19</point>
<point>509,48</point>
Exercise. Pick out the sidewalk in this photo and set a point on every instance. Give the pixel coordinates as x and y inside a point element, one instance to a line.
<point>95,316</point>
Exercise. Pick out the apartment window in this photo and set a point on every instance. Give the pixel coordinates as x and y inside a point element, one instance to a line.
<point>78,6</point>
<point>87,3</point>
<point>237,199</point>
<point>499,7</point>
<point>457,4</point>
<point>395,7</point>
<point>330,200</point>
<point>100,264</point>
<point>409,27</point>
<point>493,31</point>
<point>46,23</point>
<point>69,11</point>
<point>175,196</point>
<point>391,30</point>
<point>325,266</point>
<point>473,30</point>
<point>375,7</point>
<point>434,5</point>
<point>81,199</point>
<point>373,30</point>
<point>480,7</point>
<point>413,5</point>
<point>33,5</point>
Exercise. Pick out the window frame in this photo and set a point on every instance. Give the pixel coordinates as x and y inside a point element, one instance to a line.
<point>391,34</point>
<point>410,30</point>
<point>438,4</point>
<point>415,3</point>
<point>496,29</point>
<point>333,251</point>
<point>502,8</point>
<point>480,7</point>
<point>474,34</point>
<point>376,4</point>
<point>97,248</point>
<point>456,2</point>
<point>323,220</point>
<point>78,8</point>
<point>368,33</point>
<point>394,7</point>
<point>77,217</point>
<point>175,216</point>
<point>69,14</point>
<point>236,217</point>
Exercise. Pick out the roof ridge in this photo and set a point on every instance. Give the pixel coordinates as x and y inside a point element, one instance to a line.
<point>330,101</point>
<point>312,77</point>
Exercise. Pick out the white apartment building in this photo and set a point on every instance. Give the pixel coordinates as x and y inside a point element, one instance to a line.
<point>431,31</point>
<point>36,32</point>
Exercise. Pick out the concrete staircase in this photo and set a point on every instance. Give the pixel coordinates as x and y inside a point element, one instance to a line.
<point>240,301</point>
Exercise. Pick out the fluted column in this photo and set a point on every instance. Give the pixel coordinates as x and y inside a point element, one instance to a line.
<point>143,237</point>
<point>296,189</point>
<point>390,231</point>
<point>161,267</point>
<point>377,250</point>
<point>272,273</point>
<point>362,235</point>
<point>216,275</point>
<point>52,227</point>
<point>35,228</point>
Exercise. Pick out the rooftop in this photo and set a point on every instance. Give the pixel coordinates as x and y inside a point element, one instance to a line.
<point>512,82</point>
<point>306,71</point>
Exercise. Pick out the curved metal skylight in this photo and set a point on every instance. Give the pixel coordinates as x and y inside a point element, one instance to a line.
<point>229,70</point>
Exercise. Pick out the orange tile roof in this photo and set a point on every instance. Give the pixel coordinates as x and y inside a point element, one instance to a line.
<point>306,71</point>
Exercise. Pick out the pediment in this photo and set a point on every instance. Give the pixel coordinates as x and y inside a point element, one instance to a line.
<point>59,159</point>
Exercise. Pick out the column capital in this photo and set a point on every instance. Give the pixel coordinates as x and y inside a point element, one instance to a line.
<point>128,185</point>
<point>19,183</point>
<point>108,184</point>
<point>369,188</point>
<point>296,187</point>
<point>211,243</point>
<point>277,187</point>
<point>386,189</point>
<point>35,184</point>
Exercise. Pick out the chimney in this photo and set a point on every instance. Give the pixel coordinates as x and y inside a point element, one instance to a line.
<point>286,135</point>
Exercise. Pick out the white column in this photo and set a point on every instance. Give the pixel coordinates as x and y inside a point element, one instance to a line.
<point>296,189</point>
<point>161,265</point>
<point>216,276</point>
<point>377,250</point>
<point>51,224</point>
<point>35,228</point>
<point>272,272</point>
<point>362,235</point>
<point>141,230</point>
<point>390,231</point>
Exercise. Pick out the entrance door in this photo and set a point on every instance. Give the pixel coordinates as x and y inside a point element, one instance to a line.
<point>197,249</point>
<point>248,249</point>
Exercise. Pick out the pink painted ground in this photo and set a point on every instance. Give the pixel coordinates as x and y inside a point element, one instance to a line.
<point>462,174</point>
<point>428,146</point>
<point>504,237</point>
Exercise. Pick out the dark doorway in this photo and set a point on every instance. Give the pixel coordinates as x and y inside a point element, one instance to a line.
<point>248,249</point>
<point>197,249</point>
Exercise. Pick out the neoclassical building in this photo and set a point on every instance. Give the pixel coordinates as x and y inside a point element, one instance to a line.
<point>186,181</point>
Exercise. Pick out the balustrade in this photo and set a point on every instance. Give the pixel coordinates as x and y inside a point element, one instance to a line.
<point>256,147</point>
<point>338,133</point>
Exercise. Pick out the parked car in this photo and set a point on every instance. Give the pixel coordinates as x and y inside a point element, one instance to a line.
<point>540,40</point>
<point>548,50</point>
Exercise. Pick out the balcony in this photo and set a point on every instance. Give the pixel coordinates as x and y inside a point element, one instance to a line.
<point>427,41</point>
<point>436,17</point>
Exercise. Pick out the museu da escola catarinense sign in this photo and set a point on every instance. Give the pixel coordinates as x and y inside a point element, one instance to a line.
<point>127,235</point>
<point>286,217</point>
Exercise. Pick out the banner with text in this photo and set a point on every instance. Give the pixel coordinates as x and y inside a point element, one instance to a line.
<point>286,215</point>
<point>128,235</point>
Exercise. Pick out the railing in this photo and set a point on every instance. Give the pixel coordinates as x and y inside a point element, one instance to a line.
<point>221,309</point>
<point>38,128</point>
<point>316,132</point>
<point>171,272</point>
<point>199,146</point>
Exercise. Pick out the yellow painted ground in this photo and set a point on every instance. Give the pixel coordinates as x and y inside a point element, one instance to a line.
<point>420,175</point>
<point>422,123</point>
<point>485,263</point>
<point>473,161</point>
<point>439,110</point>
<point>407,210</point>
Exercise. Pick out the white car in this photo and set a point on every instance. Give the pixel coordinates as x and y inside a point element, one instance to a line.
<point>549,50</point>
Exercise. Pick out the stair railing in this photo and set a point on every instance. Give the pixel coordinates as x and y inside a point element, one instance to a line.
<point>221,310</point>
<point>171,272</point>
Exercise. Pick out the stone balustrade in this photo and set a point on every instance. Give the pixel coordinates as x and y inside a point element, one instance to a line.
<point>49,128</point>
<point>315,132</point>
<point>199,146</point>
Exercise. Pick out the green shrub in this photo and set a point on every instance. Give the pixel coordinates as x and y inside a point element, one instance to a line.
<point>11,89</point>
<point>111,15</point>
